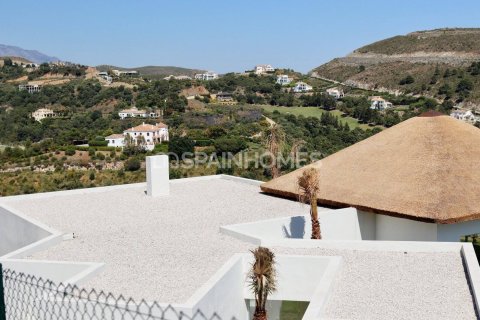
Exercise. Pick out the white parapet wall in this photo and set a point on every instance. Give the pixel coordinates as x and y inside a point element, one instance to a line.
<point>351,224</point>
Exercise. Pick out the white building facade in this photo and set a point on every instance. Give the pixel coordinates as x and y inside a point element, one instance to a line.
<point>135,113</point>
<point>380,104</point>
<point>263,68</point>
<point>147,135</point>
<point>43,113</point>
<point>283,79</point>
<point>30,88</point>
<point>466,116</point>
<point>116,140</point>
<point>302,87</point>
<point>336,93</point>
<point>207,76</point>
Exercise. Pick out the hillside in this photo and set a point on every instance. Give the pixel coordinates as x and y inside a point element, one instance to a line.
<point>442,63</point>
<point>155,71</point>
<point>30,55</point>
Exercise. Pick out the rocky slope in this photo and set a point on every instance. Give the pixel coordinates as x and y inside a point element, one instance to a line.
<point>437,61</point>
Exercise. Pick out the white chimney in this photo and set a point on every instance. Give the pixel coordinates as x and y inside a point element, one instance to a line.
<point>157,176</point>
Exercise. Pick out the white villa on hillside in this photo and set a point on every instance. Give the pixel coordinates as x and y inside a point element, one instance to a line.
<point>147,134</point>
<point>116,140</point>
<point>43,113</point>
<point>136,113</point>
<point>283,79</point>
<point>263,68</point>
<point>104,75</point>
<point>380,104</point>
<point>302,87</point>
<point>170,77</point>
<point>120,73</point>
<point>465,115</point>
<point>30,88</point>
<point>207,76</point>
<point>335,92</point>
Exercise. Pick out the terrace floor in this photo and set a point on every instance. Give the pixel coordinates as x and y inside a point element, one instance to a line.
<point>166,248</point>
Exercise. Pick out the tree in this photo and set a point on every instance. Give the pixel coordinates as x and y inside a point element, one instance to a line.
<point>262,280</point>
<point>308,185</point>
<point>275,138</point>
<point>229,144</point>
<point>180,145</point>
<point>464,86</point>
<point>445,89</point>
<point>407,80</point>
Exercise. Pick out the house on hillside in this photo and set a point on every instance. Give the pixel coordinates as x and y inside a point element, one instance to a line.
<point>120,73</point>
<point>170,77</point>
<point>283,79</point>
<point>147,135</point>
<point>44,113</point>
<point>116,140</point>
<point>225,98</point>
<point>335,92</point>
<point>302,87</point>
<point>136,113</point>
<point>466,116</point>
<point>379,104</point>
<point>207,76</point>
<point>30,88</point>
<point>105,76</point>
<point>263,68</point>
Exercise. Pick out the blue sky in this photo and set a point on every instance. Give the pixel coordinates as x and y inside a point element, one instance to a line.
<point>220,35</point>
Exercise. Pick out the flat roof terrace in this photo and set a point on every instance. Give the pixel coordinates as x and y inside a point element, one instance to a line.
<point>160,248</point>
<point>166,248</point>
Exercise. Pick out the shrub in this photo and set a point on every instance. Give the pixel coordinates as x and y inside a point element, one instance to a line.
<point>407,80</point>
<point>230,144</point>
<point>132,164</point>
<point>70,151</point>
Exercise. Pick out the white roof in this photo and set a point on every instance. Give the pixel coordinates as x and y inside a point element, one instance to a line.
<point>166,248</point>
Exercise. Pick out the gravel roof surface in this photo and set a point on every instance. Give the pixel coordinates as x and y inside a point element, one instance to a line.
<point>166,248</point>
<point>161,249</point>
<point>397,285</point>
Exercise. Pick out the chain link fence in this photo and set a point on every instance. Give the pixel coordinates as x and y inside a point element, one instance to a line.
<point>26,297</point>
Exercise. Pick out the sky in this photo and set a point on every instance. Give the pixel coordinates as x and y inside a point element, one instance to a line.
<point>219,35</point>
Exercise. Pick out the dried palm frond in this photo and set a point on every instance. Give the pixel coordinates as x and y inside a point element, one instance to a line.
<point>262,277</point>
<point>309,186</point>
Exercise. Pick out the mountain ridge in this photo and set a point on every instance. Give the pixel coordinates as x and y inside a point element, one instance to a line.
<point>31,55</point>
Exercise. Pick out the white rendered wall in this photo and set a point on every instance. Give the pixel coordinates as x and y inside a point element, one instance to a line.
<point>16,232</point>
<point>398,229</point>
<point>227,285</point>
<point>453,232</point>
<point>341,224</point>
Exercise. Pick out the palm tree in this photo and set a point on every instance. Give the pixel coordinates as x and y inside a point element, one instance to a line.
<point>308,184</point>
<point>263,280</point>
<point>274,141</point>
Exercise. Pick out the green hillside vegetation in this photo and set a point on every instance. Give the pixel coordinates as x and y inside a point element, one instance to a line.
<point>155,72</point>
<point>440,40</point>
<point>444,64</point>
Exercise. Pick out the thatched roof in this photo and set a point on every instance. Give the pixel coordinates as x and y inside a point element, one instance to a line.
<point>425,168</point>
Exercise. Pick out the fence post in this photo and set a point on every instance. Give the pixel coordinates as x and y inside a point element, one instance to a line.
<point>3,310</point>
